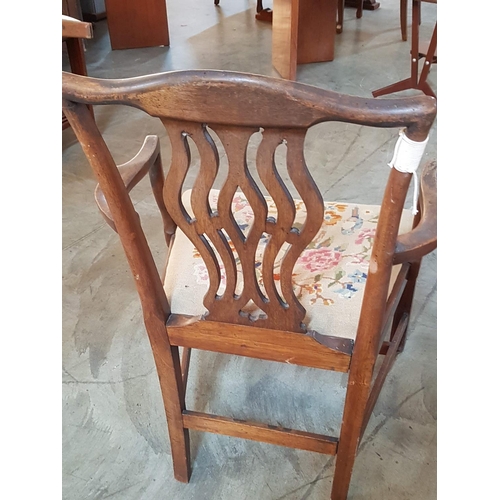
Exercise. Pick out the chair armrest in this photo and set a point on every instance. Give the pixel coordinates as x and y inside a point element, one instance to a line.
<point>422,239</point>
<point>74,28</point>
<point>132,172</point>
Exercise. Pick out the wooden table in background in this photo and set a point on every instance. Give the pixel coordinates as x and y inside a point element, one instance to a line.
<point>303,32</point>
<point>135,24</point>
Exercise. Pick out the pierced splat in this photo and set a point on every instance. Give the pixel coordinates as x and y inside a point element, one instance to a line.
<point>216,234</point>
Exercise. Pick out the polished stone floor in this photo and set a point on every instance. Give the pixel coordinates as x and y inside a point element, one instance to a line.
<point>115,442</point>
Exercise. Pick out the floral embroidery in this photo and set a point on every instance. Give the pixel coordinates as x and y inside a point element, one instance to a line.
<point>353,223</point>
<point>347,291</point>
<point>368,234</point>
<point>315,289</point>
<point>334,265</point>
<point>358,277</point>
<point>320,259</point>
<point>331,215</point>
<point>201,272</point>
<point>347,288</point>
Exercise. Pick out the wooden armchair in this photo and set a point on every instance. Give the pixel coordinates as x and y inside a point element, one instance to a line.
<point>259,274</point>
<point>73,33</point>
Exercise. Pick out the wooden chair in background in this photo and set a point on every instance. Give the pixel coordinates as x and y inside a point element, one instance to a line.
<point>74,32</point>
<point>302,32</point>
<point>419,50</point>
<point>253,242</point>
<point>359,5</point>
<point>340,12</point>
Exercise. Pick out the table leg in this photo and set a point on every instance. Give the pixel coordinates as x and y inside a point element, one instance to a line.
<point>303,32</point>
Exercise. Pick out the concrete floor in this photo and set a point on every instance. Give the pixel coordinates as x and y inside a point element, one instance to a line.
<point>115,441</point>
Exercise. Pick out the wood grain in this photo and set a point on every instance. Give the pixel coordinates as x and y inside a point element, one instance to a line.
<point>423,238</point>
<point>74,28</point>
<point>256,431</point>
<point>303,32</point>
<point>272,345</point>
<point>193,105</point>
<point>133,24</point>
<point>285,37</point>
<point>250,101</point>
<point>316,31</point>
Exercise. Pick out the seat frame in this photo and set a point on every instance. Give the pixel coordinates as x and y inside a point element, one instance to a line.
<point>233,104</point>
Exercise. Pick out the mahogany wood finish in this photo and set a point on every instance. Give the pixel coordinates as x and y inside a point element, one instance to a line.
<point>272,434</point>
<point>133,24</point>
<point>390,356</point>
<point>196,106</point>
<point>419,50</point>
<point>74,28</point>
<point>316,31</point>
<point>260,343</point>
<point>76,55</point>
<point>284,37</point>
<point>303,32</point>
<point>403,19</point>
<point>422,239</point>
<point>73,31</point>
<point>146,161</point>
<point>394,299</point>
<point>265,15</point>
<point>72,8</point>
<point>411,246</point>
<point>186,359</point>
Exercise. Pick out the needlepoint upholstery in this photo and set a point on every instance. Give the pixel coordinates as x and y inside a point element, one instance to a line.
<point>329,276</point>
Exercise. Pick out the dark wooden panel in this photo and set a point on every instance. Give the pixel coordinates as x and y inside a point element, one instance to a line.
<point>72,8</point>
<point>137,23</point>
<point>316,31</point>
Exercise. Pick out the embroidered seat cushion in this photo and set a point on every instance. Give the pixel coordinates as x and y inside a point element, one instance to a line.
<point>329,277</point>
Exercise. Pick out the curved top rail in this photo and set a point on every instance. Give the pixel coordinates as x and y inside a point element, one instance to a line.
<point>243,99</point>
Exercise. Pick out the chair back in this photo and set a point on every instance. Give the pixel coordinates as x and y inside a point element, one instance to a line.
<point>202,108</point>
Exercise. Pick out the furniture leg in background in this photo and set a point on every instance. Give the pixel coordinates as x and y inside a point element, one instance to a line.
<point>303,32</point>
<point>73,33</point>
<point>403,19</point>
<point>417,52</point>
<point>359,5</point>
<point>263,14</point>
